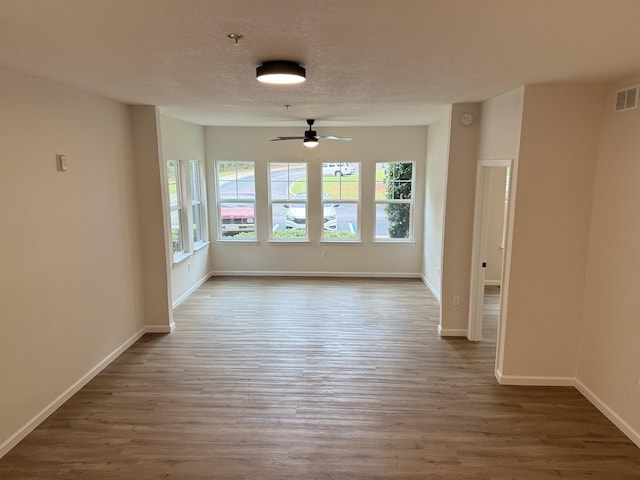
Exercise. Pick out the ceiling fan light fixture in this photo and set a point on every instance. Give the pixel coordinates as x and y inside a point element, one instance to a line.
<point>310,142</point>
<point>280,72</point>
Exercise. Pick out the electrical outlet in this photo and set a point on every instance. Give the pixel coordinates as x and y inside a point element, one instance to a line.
<point>456,300</point>
<point>323,253</point>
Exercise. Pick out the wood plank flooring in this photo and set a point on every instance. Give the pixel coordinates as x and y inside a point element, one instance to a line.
<point>299,378</point>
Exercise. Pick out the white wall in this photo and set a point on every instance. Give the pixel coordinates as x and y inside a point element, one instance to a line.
<point>184,141</point>
<point>436,187</point>
<point>458,221</point>
<point>370,145</point>
<point>71,263</point>
<point>609,353</point>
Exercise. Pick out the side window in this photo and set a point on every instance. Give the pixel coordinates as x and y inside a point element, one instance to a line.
<point>341,201</point>
<point>176,210</point>
<point>198,218</point>
<point>394,201</point>
<point>288,201</point>
<point>236,200</point>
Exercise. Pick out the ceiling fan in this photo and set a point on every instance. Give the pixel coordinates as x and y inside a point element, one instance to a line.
<point>310,138</point>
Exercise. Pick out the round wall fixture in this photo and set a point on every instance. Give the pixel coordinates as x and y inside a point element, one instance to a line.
<point>466,119</point>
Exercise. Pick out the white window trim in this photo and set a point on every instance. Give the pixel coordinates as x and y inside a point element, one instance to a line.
<point>286,201</point>
<point>202,194</point>
<point>411,202</point>
<point>220,238</point>
<point>179,207</point>
<point>357,202</point>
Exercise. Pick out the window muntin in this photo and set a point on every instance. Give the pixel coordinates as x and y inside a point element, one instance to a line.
<point>288,200</point>
<point>236,199</point>
<point>394,201</point>
<point>175,205</point>
<point>340,201</point>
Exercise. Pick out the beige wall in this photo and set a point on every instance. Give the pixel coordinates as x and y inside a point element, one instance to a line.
<point>153,214</point>
<point>609,353</point>
<point>435,186</point>
<point>71,264</point>
<point>458,221</point>
<point>184,141</point>
<point>554,177</point>
<point>500,140</point>
<point>370,145</point>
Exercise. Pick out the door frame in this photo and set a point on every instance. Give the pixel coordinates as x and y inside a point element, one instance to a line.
<point>480,222</point>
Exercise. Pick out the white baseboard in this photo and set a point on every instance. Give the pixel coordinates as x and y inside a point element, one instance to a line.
<point>534,381</point>
<point>431,287</point>
<point>160,328</point>
<point>28,427</point>
<point>257,273</point>
<point>627,429</point>
<point>452,332</point>
<point>186,295</point>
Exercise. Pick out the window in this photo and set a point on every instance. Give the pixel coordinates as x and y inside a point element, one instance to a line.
<point>197,216</point>
<point>175,204</point>
<point>236,201</point>
<point>288,199</point>
<point>394,201</point>
<point>340,201</point>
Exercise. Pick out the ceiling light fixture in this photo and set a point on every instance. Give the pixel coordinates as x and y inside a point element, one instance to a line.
<point>281,72</point>
<point>311,142</point>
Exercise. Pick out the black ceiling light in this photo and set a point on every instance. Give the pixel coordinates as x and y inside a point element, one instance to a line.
<point>281,72</point>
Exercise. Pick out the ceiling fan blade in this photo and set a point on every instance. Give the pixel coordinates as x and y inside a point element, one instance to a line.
<point>286,138</point>
<point>333,137</point>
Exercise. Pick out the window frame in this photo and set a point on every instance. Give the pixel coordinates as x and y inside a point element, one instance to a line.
<point>249,198</point>
<point>385,201</point>
<point>197,192</point>
<point>178,207</point>
<point>286,202</point>
<point>341,200</point>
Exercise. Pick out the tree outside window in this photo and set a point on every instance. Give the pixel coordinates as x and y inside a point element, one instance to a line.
<point>394,201</point>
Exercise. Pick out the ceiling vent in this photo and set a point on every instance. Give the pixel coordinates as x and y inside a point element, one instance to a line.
<point>627,98</point>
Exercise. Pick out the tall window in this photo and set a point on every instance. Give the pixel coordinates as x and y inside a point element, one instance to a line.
<point>175,204</point>
<point>197,217</point>
<point>394,201</point>
<point>236,200</point>
<point>288,199</point>
<point>340,188</point>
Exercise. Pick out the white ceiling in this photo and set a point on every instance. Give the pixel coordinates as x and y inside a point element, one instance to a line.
<point>369,62</point>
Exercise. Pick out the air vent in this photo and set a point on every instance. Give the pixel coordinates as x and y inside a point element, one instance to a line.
<point>627,98</point>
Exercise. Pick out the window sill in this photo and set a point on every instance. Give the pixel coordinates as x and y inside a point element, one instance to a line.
<point>181,257</point>
<point>249,241</point>
<point>200,246</point>
<point>291,241</point>
<point>341,241</point>
<point>394,242</point>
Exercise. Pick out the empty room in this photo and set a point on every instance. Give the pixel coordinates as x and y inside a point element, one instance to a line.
<point>335,239</point>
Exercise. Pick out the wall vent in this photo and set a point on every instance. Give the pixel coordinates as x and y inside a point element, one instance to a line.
<point>627,98</point>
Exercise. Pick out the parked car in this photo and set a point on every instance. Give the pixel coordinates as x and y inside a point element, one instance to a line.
<point>237,217</point>
<point>337,169</point>
<point>296,215</point>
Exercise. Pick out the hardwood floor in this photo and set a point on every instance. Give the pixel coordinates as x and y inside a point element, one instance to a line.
<point>297,378</point>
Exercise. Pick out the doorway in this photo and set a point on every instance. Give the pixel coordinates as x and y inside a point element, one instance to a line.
<point>489,243</point>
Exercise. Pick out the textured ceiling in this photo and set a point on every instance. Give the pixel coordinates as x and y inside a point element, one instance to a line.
<point>369,62</point>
